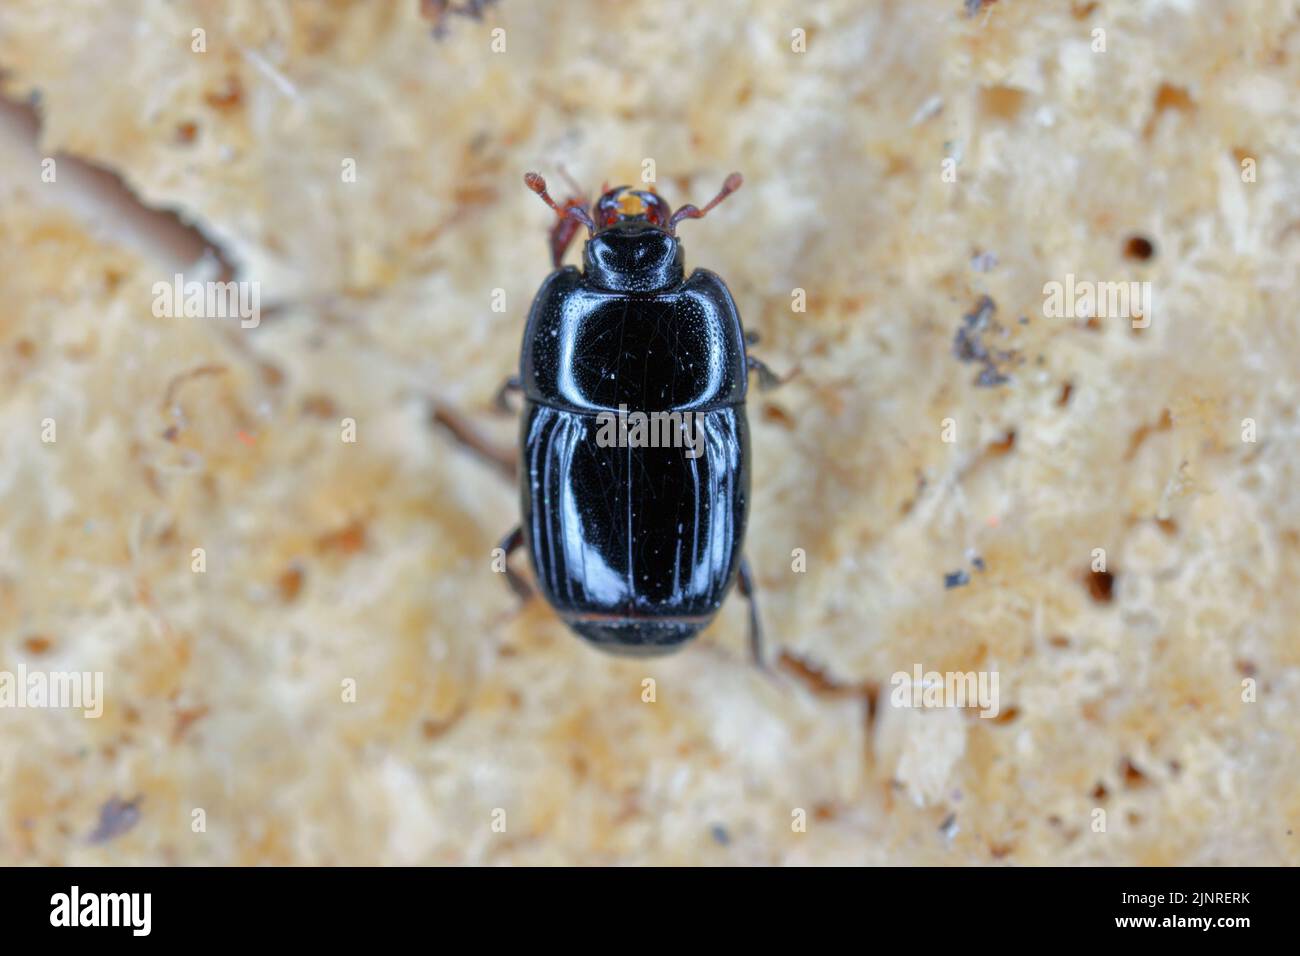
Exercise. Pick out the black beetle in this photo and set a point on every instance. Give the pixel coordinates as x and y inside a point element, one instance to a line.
<point>636,539</point>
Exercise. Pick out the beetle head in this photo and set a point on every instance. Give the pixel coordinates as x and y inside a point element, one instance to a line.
<point>623,204</point>
<point>631,249</point>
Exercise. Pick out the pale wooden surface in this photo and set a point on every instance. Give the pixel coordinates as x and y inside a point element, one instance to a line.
<point>330,561</point>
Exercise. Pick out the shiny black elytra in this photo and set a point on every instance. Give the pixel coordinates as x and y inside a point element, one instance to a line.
<point>634,547</point>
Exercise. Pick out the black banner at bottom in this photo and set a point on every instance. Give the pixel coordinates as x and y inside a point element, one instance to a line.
<point>334,906</point>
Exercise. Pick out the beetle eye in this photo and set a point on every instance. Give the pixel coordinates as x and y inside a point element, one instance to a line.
<point>608,206</point>
<point>607,214</point>
<point>623,203</point>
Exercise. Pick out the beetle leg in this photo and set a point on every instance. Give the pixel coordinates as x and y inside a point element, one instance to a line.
<point>746,583</point>
<point>505,460</point>
<point>752,337</point>
<point>511,543</point>
<point>563,231</point>
<point>569,180</point>
<point>767,379</point>
<point>502,402</point>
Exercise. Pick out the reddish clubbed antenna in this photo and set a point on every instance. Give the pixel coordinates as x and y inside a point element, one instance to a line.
<point>732,183</point>
<point>568,216</point>
<point>537,184</point>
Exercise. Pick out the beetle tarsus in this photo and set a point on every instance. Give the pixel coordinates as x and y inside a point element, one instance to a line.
<point>505,461</point>
<point>745,581</point>
<point>767,379</point>
<point>511,543</point>
<point>502,399</point>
